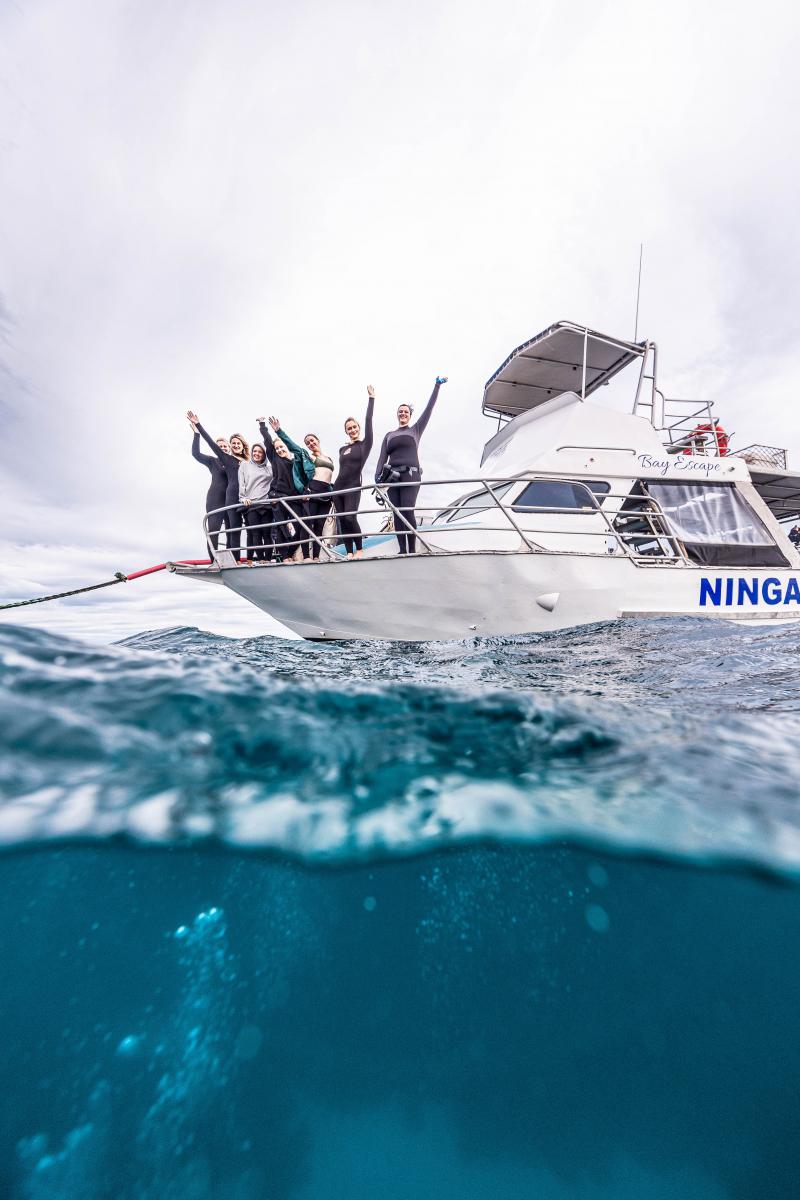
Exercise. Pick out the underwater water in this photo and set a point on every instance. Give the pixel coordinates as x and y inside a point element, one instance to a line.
<point>511,917</point>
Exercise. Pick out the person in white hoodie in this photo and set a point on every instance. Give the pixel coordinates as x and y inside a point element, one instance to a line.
<point>255,480</point>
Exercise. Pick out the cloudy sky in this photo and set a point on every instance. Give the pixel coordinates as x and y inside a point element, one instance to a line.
<point>261,207</point>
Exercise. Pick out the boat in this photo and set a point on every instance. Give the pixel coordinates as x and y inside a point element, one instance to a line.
<point>578,513</point>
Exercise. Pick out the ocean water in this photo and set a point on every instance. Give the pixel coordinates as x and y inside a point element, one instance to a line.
<point>514,917</point>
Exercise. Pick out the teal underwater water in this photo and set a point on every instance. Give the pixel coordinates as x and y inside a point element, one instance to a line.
<point>514,917</point>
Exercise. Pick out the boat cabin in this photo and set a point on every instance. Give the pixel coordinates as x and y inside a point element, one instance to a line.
<point>658,483</point>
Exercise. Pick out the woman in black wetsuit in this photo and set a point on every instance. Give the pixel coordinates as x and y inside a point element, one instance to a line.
<point>352,458</point>
<point>239,452</point>
<point>398,465</point>
<point>215,497</point>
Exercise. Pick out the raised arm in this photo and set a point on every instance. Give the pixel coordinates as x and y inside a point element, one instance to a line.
<point>287,441</point>
<point>221,455</point>
<point>205,459</point>
<point>267,439</point>
<point>382,457</point>
<point>425,416</point>
<point>367,438</point>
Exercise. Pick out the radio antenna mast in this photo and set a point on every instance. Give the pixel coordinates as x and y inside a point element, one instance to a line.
<point>638,293</point>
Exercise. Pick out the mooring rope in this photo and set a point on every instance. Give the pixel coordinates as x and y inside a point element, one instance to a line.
<point>119,577</point>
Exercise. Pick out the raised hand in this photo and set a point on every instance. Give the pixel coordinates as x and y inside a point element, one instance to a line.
<point>275,423</point>
<point>192,418</point>
<point>370,391</point>
<point>441,379</point>
<point>261,421</point>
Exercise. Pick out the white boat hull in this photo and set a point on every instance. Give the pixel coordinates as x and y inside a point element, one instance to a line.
<point>454,596</point>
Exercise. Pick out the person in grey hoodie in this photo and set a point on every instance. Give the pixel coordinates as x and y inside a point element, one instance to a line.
<point>255,481</point>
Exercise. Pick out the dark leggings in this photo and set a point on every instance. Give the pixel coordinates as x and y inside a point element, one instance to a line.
<point>318,507</point>
<point>214,526</point>
<point>403,498</point>
<point>283,534</point>
<point>215,498</point>
<point>349,528</point>
<point>232,521</point>
<point>259,541</point>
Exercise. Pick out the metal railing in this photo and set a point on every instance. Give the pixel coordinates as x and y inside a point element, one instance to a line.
<point>689,428</point>
<point>763,456</point>
<point>627,522</point>
<point>686,426</point>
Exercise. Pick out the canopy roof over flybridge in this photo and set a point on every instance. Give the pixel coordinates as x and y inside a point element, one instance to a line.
<point>552,363</point>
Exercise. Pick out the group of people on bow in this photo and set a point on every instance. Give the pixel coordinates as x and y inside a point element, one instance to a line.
<point>279,494</point>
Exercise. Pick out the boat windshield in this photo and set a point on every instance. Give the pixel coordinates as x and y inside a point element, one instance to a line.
<point>472,504</point>
<point>560,494</point>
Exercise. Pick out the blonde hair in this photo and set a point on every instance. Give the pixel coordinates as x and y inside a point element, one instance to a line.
<point>355,421</point>
<point>245,446</point>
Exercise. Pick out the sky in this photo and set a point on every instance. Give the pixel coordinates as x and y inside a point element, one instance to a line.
<point>258,208</point>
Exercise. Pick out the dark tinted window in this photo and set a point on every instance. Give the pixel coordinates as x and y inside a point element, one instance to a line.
<point>477,501</point>
<point>559,493</point>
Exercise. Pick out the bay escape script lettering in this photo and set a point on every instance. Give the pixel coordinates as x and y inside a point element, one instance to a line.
<point>738,593</point>
<point>684,464</point>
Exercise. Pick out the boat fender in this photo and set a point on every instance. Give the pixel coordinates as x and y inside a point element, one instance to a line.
<point>548,601</point>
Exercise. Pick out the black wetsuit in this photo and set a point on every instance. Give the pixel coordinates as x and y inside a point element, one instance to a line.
<point>400,452</point>
<point>232,519</point>
<point>319,506</point>
<point>283,487</point>
<point>352,458</point>
<point>215,497</point>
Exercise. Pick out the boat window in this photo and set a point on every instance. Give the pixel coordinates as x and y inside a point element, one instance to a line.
<point>560,493</point>
<point>643,529</point>
<point>473,504</point>
<point>716,524</point>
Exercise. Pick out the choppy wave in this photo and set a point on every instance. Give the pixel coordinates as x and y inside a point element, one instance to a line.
<point>677,737</point>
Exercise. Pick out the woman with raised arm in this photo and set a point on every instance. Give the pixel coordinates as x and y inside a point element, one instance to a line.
<point>352,458</point>
<point>229,461</point>
<point>284,493</point>
<point>398,466</point>
<point>319,490</point>
<point>306,473</point>
<point>215,497</point>
<point>255,481</point>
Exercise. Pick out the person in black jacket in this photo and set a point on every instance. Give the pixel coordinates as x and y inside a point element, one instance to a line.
<point>285,492</point>
<point>215,497</point>
<point>398,465</point>
<point>229,461</point>
<point>352,458</point>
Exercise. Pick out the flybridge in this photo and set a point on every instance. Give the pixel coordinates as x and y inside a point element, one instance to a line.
<point>564,358</point>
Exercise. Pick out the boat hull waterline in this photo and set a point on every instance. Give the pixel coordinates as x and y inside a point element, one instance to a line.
<point>444,597</point>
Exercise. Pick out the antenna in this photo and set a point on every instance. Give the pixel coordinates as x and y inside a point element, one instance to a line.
<point>638,293</point>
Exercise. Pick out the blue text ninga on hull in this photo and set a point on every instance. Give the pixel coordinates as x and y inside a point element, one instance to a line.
<point>736,593</point>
